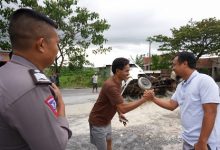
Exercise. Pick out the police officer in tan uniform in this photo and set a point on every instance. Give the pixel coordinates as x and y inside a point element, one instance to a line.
<point>32,111</point>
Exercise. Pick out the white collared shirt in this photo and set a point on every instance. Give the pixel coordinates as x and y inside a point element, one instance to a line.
<point>190,95</point>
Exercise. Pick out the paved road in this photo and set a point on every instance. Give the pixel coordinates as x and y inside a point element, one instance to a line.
<point>78,96</point>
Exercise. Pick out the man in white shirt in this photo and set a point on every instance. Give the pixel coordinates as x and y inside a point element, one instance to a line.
<point>95,82</point>
<point>198,98</point>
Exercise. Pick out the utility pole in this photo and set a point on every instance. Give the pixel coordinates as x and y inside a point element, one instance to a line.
<point>150,41</point>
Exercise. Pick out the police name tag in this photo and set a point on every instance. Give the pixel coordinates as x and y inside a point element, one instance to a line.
<point>38,77</point>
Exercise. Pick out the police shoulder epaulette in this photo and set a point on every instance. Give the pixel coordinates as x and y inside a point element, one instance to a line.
<point>38,77</point>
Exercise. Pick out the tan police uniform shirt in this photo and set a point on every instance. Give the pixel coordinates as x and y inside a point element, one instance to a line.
<point>27,111</point>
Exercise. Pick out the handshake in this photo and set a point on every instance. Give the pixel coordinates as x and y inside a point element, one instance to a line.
<point>149,95</point>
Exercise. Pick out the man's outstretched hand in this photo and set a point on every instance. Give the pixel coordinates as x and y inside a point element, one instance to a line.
<point>123,119</point>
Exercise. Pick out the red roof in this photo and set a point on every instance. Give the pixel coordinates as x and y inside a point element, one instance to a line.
<point>147,60</point>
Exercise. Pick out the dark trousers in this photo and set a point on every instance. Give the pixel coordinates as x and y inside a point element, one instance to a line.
<point>95,86</point>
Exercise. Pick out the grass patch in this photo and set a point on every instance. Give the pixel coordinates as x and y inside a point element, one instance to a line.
<point>80,78</point>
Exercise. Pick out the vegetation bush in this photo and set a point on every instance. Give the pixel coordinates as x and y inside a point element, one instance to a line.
<point>79,78</point>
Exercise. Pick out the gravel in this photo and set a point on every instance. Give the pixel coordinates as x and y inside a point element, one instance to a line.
<point>149,128</point>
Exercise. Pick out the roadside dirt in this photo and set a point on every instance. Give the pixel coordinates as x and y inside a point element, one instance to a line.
<point>149,128</point>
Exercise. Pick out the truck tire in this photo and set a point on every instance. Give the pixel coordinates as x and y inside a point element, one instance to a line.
<point>144,83</point>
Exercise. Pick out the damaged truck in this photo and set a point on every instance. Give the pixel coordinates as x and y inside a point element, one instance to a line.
<point>134,87</point>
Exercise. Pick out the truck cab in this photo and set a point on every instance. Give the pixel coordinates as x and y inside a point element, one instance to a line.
<point>135,85</point>
<point>162,83</point>
<point>136,71</point>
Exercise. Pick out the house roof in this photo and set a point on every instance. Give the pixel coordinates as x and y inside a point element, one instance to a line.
<point>147,60</point>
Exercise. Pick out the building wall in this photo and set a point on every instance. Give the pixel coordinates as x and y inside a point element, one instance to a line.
<point>4,57</point>
<point>210,66</point>
<point>216,69</point>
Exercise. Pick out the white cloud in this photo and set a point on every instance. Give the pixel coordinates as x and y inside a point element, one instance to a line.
<point>132,21</point>
<point>119,50</point>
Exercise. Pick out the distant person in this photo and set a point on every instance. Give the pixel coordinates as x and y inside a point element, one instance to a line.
<point>108,103</point>
<point>32,111</point>
<point>198,98</point>
<point>55,79</point>
<point>95,82</point>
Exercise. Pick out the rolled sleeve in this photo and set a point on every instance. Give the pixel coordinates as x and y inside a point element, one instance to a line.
<point>64,124</point>
<point>209,91</point>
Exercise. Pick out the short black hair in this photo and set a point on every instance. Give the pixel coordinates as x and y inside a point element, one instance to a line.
<point>119,63</point>
<point>187,56</point>
<point>25,24</point>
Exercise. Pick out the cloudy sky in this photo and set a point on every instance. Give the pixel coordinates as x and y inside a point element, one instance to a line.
<point>132,21</point>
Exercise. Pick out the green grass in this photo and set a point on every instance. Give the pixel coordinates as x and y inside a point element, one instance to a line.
<point>80,78</point>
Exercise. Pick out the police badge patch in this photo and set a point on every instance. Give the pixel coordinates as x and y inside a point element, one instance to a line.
<point>38,77</point>
<point>50,101</point>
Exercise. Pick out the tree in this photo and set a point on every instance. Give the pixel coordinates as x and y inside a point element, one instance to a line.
<point>160,62</point>
<point>139,60</point>
<point>201,38</point>
<point>78,28</point>
<point>77,61</point>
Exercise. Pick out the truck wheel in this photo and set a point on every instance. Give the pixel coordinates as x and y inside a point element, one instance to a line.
<point>144,83</point>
